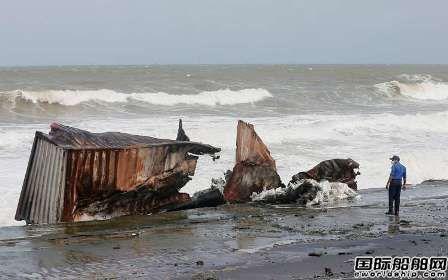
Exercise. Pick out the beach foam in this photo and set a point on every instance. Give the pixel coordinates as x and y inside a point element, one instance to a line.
<point>421,87</point>
<point>327,192</point>
<point>330,192</point>
<point>76,97</point>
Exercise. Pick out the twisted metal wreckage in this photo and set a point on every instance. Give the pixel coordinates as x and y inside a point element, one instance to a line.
<point>76,175</point>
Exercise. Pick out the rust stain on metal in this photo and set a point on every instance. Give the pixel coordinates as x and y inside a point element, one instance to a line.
<point>332,170</point>
<point>250,147</point>
<point>71,169</point>
<point>254,168</point>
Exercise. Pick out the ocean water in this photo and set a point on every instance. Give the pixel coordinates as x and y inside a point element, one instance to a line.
<point>304,113</point>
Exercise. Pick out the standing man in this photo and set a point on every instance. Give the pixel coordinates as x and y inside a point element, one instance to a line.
<point>397,180</point>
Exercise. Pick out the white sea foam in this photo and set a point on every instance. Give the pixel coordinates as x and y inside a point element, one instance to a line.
<point>271,194</point>
<point>15,139</point>
<point>422,87</point>
<point>70,97</point>
<point>330,192</point>
<point>207,98</point>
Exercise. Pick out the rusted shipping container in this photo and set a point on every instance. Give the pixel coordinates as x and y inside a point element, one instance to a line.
<point>70,170</point>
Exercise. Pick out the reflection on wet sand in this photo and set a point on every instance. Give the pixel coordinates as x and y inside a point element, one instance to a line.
<point>394,225</point>
<point>176,244</point>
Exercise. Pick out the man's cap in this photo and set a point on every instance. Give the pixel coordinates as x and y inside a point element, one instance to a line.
<point>394,157</point>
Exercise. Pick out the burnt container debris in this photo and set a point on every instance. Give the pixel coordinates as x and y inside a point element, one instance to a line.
<point>75,175</point>
<point>255,169</point>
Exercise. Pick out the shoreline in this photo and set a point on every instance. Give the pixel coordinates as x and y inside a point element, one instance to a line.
<point>329,259</point>
<point>230,241</point>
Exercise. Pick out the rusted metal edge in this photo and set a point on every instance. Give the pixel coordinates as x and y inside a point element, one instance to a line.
<point>19,211</point>
<point>174,143</point>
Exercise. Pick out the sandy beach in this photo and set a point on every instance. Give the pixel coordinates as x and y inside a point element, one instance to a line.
<point>335,259</point>
<point>246,241</point>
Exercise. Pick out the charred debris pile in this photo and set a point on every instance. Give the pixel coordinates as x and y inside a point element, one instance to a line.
<point>75,175</point>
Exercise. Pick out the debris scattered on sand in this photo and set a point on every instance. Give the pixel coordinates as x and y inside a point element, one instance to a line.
<point>315,254</point>
<point>104,175</point>
<point>210,197</point>
<point>362,226</point>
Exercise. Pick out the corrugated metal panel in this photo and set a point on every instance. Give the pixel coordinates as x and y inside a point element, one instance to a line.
<point>40,197</point>
<point>96,172</point>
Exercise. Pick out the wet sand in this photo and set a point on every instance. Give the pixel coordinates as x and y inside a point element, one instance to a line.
<point>248,241</point>
<point>330,259</point>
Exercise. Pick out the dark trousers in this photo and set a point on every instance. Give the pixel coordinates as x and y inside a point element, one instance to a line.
<point>394,196</point>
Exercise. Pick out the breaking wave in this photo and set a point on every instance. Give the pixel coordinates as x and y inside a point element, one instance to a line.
<point>422,87</point>
<point>76,97</point>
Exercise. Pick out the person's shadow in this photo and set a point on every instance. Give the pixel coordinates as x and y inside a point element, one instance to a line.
<point>394,225</point>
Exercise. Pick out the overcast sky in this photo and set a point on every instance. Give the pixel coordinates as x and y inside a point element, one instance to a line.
<point>228,31</point>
